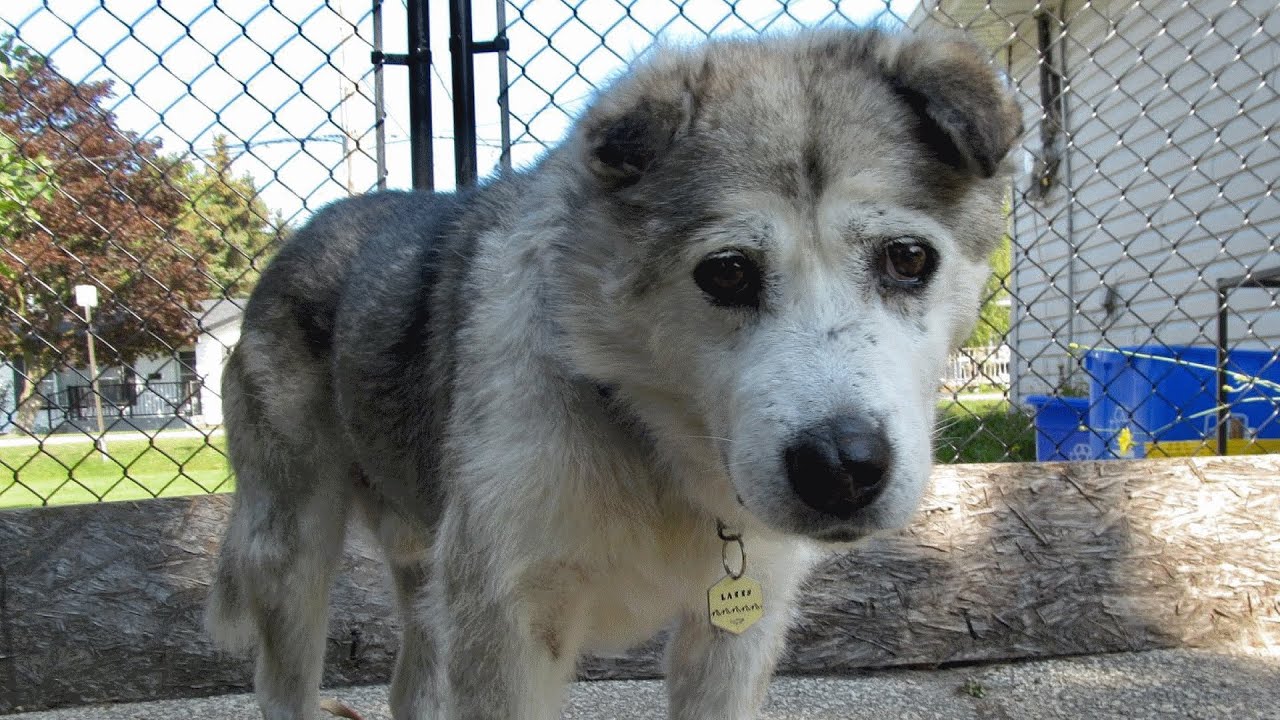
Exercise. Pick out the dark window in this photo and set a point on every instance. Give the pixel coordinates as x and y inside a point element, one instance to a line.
<point>187,366</point>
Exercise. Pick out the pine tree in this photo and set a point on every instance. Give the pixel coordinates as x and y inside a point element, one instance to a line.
<point>229,221</point>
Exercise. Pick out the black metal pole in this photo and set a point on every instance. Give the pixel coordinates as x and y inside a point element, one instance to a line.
<point>379,99</point>
<point>1220,395</point>
<point>419,61</point>
<point>464,92</point>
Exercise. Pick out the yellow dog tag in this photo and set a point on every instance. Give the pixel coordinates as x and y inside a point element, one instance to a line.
<point>735,604</point>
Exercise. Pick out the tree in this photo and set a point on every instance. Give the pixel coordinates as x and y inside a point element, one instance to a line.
<point>993,317</point>
<point>228,220</point>
<point>112,221</point>
<point>22,180</point>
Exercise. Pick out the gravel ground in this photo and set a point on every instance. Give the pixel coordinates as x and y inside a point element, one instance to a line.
<point>1153,685</point>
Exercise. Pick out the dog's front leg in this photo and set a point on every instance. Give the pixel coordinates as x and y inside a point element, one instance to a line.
<point>508,649</point>
<point>713,674</point>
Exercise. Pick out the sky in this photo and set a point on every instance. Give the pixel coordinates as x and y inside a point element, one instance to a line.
<point>291,83</point>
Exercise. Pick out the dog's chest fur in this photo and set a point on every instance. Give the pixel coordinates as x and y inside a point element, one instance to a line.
<point>618,583</point>
<point>612,552</point>
<point>605,558</point>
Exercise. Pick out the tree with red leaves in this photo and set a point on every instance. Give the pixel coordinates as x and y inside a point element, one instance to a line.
<point>113,219</point>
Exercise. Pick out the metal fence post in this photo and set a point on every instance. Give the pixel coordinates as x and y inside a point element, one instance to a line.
<point>464,92</point>
<point>504,106</point>
<point>419,61</point>
<point>463,48</point>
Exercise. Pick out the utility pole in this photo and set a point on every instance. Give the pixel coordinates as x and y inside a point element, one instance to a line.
<point>87,298</point>
<point>346,89</point>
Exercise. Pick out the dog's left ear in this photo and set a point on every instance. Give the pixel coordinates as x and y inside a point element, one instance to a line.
<point>966,115</point>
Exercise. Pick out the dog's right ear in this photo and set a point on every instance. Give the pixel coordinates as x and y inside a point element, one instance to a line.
<point>632,127</point>
<point>622,148</point>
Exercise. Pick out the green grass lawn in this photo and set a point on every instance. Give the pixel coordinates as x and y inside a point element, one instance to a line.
<point>984,431</point>
<point>65,474</point>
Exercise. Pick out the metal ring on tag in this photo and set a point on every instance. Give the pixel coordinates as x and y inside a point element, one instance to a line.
<point>742,556</point>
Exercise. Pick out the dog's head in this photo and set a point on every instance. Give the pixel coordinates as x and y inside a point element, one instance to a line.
<point>789,235</point>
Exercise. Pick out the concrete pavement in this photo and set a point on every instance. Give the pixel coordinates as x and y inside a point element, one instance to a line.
<point>1164,684</point>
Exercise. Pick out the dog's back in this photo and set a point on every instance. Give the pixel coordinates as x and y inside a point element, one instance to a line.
<point>360,276</point>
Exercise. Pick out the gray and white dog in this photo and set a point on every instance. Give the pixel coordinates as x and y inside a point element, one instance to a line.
<point>726,297</point>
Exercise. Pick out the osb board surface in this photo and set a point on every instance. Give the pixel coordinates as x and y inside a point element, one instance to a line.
<point>1009,561</point>
<point>103,602</point>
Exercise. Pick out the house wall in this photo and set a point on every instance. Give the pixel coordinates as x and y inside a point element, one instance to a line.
<point>1173,173</point>
<point>156,369</point>
<point>212,349</point>
<point>8,396</point>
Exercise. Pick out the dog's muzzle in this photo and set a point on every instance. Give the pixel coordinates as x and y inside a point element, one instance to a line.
<point>839,466</point>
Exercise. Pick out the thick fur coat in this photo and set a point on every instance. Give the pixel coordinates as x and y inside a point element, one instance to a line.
<point>726,296</point>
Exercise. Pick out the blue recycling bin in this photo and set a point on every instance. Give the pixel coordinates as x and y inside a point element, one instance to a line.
<point>1166,393</point>
<point>1061,432</point>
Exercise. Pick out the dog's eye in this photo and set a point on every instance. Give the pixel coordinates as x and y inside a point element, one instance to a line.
<point>729,278</point>
<point>908,263</point>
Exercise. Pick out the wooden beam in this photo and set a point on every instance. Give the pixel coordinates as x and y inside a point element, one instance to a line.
<point>103,602</point>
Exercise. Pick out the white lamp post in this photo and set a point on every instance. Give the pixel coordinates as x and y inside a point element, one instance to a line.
<point>87,298</point>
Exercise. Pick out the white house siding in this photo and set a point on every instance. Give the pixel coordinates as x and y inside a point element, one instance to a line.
<point>156,369</point>
<point>1173,161</point>
<point>8,399</point>
<point>212,349</point>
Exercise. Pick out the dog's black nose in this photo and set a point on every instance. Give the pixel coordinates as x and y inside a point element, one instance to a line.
<point>839,466</point>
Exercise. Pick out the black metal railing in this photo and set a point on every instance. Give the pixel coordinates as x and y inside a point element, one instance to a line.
<point>147,400</point>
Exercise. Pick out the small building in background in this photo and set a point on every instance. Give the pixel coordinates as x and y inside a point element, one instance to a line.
<point>219,333</point>
<point>181,390</point>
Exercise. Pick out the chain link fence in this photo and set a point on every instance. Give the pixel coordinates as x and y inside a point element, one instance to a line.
<point>160,155</point>
<point>154,156</point>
